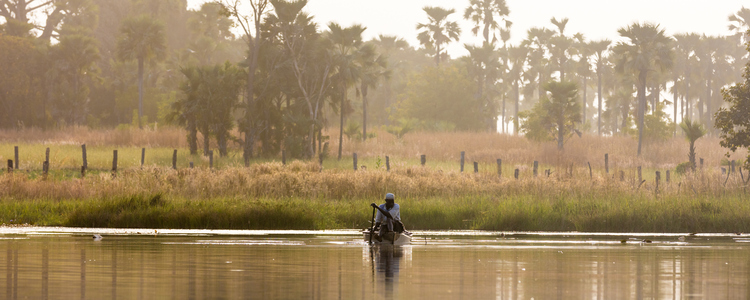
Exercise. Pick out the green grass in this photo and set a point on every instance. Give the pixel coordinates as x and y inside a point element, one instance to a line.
<point>525,213</point>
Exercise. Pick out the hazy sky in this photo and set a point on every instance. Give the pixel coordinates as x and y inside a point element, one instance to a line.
<point>596,19</point>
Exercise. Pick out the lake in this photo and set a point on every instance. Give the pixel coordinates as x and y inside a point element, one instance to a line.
<point>67,263</point>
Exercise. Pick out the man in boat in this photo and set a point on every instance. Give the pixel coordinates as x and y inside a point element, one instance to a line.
<point>385,223</point>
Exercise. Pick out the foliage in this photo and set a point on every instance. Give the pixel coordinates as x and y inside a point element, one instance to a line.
<point>683,168</point>
<point>438,31</point>
<point>647,51</point>
<point>142,39</point>
<point>555,116</point>
<point>732,121</point>
<point>74,68</point>
<point>22,69</point>
<point>693,131</point>
<point>405,125</point>
<point>210,95</point>
<point>658,127</point>
<point>442,95</point>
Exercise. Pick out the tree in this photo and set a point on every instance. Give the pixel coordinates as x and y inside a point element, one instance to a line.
<point>732,121</point>
<point>442,97</point>
<point>142,39</point>
<point>516,58</point>
<point>438,31</point>
<point>598,47</point>
<point>20,16</point>
<point>555,116</point>
<point>346,55</point>
<point>374,70</point>
<point>73,66</point>
<point>482,13</point>
<point>308,56</point>
<point>740,23</point>
<point>210,33</point>
<point>484,66</point>
<point>251,27</point>
<point>647,50</point>
<point>693,131</point>
<point>22,69</point>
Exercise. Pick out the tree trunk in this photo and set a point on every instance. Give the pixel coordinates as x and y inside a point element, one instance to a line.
<point>515,118</point>
<point>503,115</point>
<point>341,112</point>
<point>674,105</point>
<point>585,98</point>
<point>206,142</point>
<point>599,98</point>
<point>252,62</point>
<point>641,106</point>
<point>192,138</point>
<point>364,112</point>
<point>140,92</point>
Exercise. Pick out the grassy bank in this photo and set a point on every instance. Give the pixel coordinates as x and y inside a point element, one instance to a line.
<point>527,213</point>
<point>300,196</point>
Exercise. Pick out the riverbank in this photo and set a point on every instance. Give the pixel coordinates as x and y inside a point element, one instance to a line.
<point>299,196</point>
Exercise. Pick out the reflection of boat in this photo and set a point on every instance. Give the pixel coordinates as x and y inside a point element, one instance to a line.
<point>390,238</point>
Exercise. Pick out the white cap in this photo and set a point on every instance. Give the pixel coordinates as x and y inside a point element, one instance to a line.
<point>389,196</point>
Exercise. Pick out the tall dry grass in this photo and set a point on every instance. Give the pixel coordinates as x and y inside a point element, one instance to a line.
<point>484,148</point>
<point>487,147</point>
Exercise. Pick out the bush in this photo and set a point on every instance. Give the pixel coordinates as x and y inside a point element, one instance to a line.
<point>683,168</point>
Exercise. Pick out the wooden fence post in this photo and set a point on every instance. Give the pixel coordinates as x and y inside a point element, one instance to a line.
<point>640,178</point>
<point>143,156</point>
<point>606,162</point>
<point>387,163</point>
<point>622,175</point>
<point>15,149</point>
<point>191,164</point>
<point>476,167</point>
<point>667,179</point>
<point>733,166</point>
<point>423,159</point>
<point>174,159</point>
<point>536,168</point>
<point>45,169</point>
<point>354,159</point>
<point>83,172</point>
<point>320,159</point>
<point>499,168</point>
<point>515,174</point>
<point>210,159</point>
<point>283,157</point>
<point>114,162</point>
<point>701,159</point>
<point>658,177</point>
<point>591,173</point>
<point>46,156</point>
<point>463,153</point>
<point>85,158</point>
<point>10,166</point>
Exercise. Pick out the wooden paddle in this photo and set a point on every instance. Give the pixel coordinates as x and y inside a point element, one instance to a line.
<point>372,225</point>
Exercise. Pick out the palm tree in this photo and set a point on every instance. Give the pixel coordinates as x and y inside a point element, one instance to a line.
<point>438,31</point>
<point>73,63</point>
<point>346,54</point>
<point>647,50</point>
<point>485,67</point>
<point>740,23</point>
<point>141,38</point>
<point>693,131</point>
<point>516,58</point>
<point>483,12</point>
<point>374,69</point>
<point>598,48</point>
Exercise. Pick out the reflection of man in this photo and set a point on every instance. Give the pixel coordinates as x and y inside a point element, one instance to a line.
<point>393,209</point>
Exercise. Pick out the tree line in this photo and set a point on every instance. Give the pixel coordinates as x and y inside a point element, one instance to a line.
<point>286,78</point>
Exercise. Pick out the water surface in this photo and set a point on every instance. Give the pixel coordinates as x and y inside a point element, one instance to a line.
<point>67,263</point>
